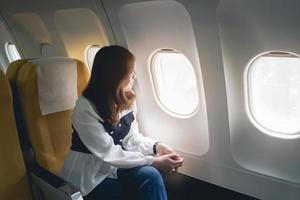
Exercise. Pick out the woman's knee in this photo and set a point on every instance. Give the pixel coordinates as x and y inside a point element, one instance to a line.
<point>150,173</point>
<point>140,175</point>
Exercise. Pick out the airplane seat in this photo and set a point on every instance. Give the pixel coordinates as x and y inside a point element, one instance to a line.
<point>47,131</point>
<point>14,182</point>
<point>48,89</point>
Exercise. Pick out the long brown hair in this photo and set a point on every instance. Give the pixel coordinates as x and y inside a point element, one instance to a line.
<point>112,66</point>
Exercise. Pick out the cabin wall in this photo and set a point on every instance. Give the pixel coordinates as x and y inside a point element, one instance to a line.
<point>249,29</point>
<point>5,39</point>
<point>52,28</point>
<point>219,164</point>
<point>219,38</point>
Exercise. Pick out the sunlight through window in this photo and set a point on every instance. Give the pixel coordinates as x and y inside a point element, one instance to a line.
<point>12,52</point>
<point>90,55</point>
<point>175,82</point>
<point>273,84</point>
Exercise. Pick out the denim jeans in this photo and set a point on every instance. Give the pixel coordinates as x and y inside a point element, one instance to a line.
<point>143,183</point>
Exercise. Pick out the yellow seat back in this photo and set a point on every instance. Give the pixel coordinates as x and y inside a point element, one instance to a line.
<point>14,183</point>
<point>50,135</point>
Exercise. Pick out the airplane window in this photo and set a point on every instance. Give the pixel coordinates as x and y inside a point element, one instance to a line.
<point>90,54</point>
<point>175,82</point>
<point>273,91</point>
<point>12,52</point>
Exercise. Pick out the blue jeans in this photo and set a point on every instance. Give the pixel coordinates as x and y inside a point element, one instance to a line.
<point>144,182</point>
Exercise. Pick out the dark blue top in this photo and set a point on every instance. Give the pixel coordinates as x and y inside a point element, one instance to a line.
<point>118,133</point>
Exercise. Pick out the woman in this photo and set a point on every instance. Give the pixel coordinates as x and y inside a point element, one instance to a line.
<point>109,158</point>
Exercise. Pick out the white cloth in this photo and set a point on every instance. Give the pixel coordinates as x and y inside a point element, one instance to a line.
<point>57,84</point>
<point>86,171</point>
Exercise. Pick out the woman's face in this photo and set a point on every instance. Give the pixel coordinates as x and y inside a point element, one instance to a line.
<point>128,84</point>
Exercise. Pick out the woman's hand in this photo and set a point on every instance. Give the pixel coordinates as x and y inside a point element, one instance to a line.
<point>168,162</point>
<point>162,149</point>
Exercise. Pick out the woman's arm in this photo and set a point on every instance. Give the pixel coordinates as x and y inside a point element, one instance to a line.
<point>135,141</point>
<point>167,159</point>
<point>100,144</point>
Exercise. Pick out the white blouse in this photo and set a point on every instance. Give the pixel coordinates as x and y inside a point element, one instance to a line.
<point>86,171</point>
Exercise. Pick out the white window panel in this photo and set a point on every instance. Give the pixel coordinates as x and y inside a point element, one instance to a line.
<point>273,85</point>
<point>175,82</point>
<point>92,31</point>
<point>175,112</point>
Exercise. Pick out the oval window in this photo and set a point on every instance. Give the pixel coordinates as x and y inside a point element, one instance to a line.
<point>175,82</point>
<point>273,93</point>
<point>90,54</point>
<point>12,52</point>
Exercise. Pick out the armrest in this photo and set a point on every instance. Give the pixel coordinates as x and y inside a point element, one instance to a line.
<point>51,179</point>
<point>52,186</point>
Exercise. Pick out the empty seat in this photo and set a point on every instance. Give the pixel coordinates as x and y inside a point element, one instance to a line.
<point>14,184</point>
<point>48,123</point>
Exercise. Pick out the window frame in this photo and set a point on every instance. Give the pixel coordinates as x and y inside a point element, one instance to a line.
<point>247,88</point>
<point>86,52</point>
<point>8,53</point>
<point>157,92</point>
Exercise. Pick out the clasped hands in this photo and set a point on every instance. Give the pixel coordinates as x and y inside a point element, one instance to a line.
<point>167,159</point>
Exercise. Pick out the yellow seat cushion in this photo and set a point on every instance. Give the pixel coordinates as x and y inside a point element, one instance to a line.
<point>14,183</point>
<point>13,70</point>
<point>50,135</point>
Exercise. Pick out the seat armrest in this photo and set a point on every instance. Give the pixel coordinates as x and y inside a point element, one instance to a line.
<point>52,186</point>
<point>51,179</point>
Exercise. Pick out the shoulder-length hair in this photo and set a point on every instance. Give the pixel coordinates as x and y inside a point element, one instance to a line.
<point>112,66</point>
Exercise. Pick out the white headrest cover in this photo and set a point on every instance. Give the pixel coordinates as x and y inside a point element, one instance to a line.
<point>57,84</point>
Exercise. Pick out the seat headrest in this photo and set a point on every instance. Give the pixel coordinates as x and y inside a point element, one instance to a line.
<point>57,84</point>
